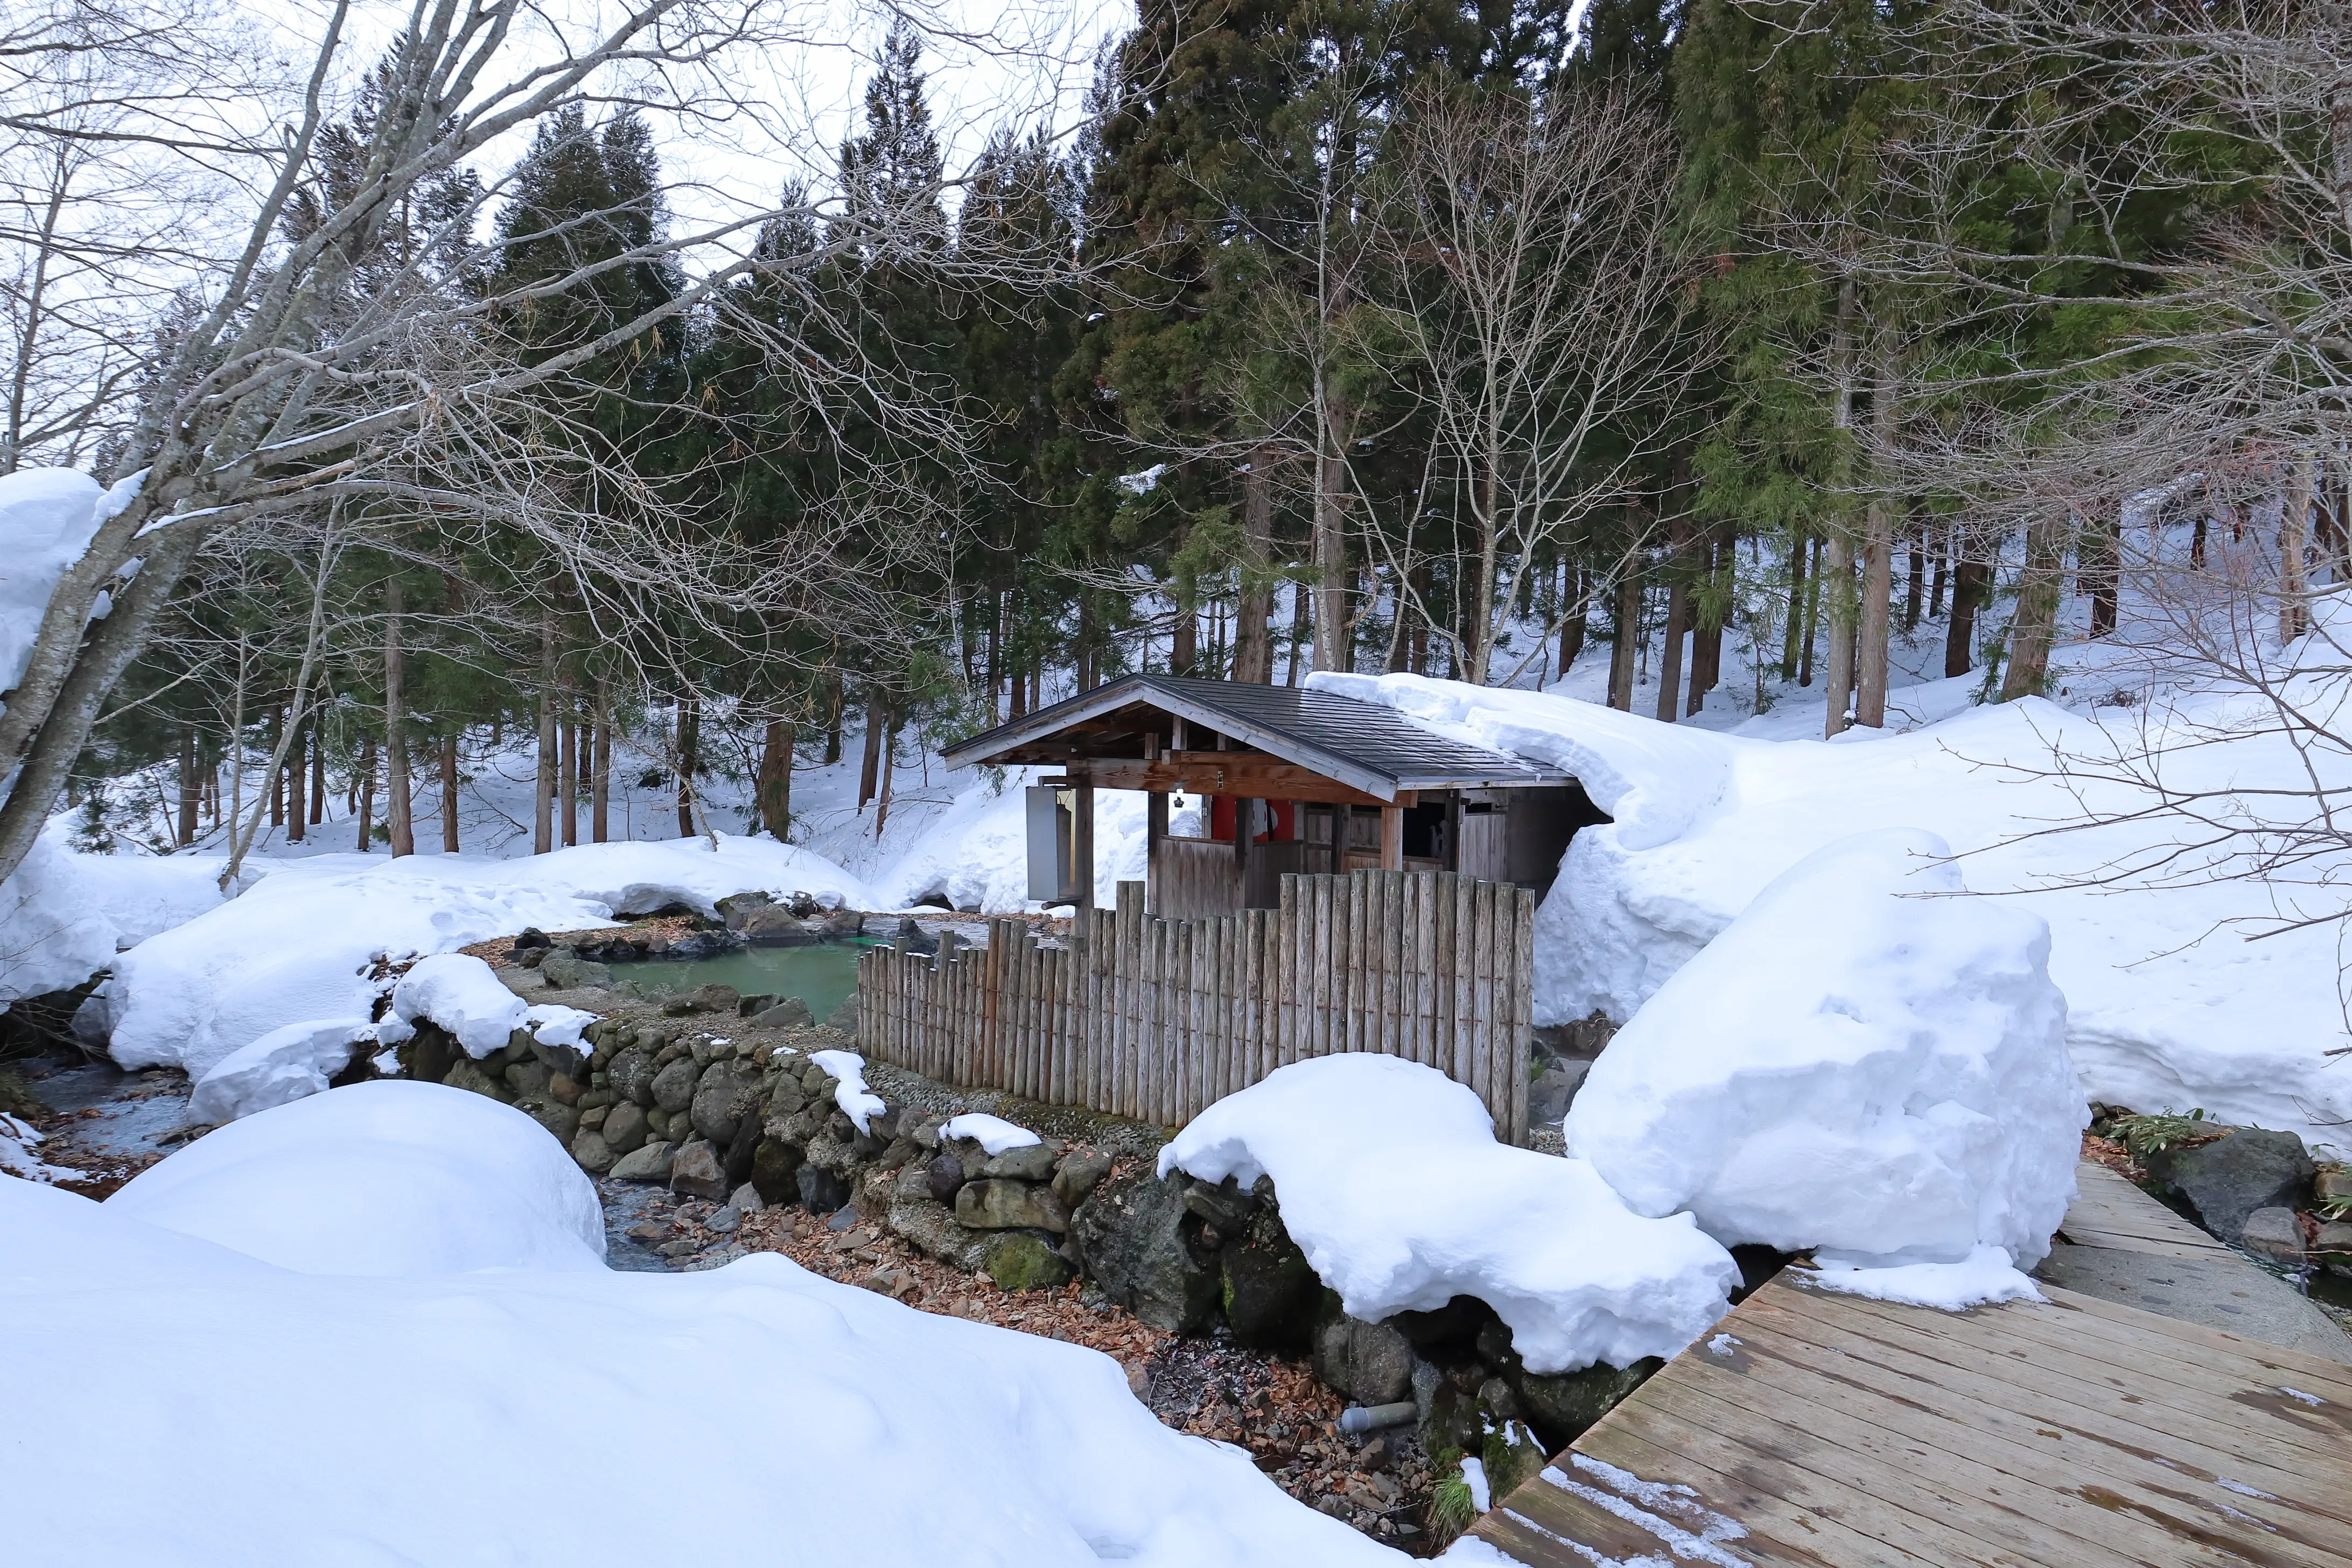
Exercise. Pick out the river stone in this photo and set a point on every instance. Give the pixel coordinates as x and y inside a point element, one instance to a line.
<point>775,1171</point>
<point>566,971</point>
<point>1271,1293</point>
<point>925,1225</point>
<point>651,1163</point>
<point>466,1073</point>
<point>2274,1235</point>
<point>844,1017</point>
<point>737,907</point>
<point>711,998</point>
<point>821,1192</point>
<point>1023,1261</point>
<point>994,1203</point>
<point>1561,1405</point>
<point>697,1173</point>
<point>2227,1180</point>
<point>791,1013</point>
<point>1078,1174</point>
<point>1030,1162</point>
<point>674,1086</point>
<point>1370,1363</point>
<point>944,1175</point>
<point>624,1129</point>
<point>594,1155</point>
<point>552,1114</point>
<point>724,1098</point>
<point>1129,1240</point>
<point>776,927</point>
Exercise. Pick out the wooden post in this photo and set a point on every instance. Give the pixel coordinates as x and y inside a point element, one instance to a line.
<point>1341,814</point>
<point>1391,839</point>
<point>1082,846</point>
<point>1155,829</point>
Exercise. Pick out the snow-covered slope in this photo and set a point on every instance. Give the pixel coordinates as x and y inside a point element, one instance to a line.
<point>2167,1004</point>
<point>249,1412</point>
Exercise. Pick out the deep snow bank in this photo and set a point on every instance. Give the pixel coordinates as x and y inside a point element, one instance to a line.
<point>1867,1059</point>
<point>284,1065</point>
<point>1391,1183</point>
<point>300,1417</point>
<point>65,915</point>
<point>302,943</point>
<point>2167,1005</point>
<point>383,1179</point>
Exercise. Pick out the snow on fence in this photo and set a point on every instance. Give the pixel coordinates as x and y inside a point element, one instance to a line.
<point>1157,1019</point>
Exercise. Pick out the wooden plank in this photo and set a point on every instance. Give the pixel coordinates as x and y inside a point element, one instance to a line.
<point>2110,1211</point>
<point>1522,1012</point>
<point>2152,1472</point>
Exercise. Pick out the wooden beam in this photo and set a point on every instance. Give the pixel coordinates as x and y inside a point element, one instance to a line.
<point>1391,839</point>
<point>1082,853</point>
<point>1249,774</point>
<point>1155,830</point>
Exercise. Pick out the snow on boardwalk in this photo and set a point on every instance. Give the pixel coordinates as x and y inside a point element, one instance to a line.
<point>1835,1431</point>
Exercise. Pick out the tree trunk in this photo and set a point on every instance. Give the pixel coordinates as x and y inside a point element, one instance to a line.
<point>1836,588</point>
<point>833,704</point>
<point>775,785</point>
<point>1706,635</point>
<point>1935,588</point>
<point>2295,599</point>
<point>1873,625</point>
<point>2099,558</point>
<point>1330,565</point>
<point>600,784</point>
<point>1184,641</point>
<point>1299,632</point>
<point>567,773</point>
<point>1253,639</point>
<point>277,778</point>
<point>1915,591</point>
<point>1572,626</point>
<point>1628,632</point>
<point>889,762</point>
<point>869,770</point>
<point>2036,621</point>
<point>542,818</point>
<point>1970,581</point>
<point>449,845</point>
<point>1792,635</point>
<point>689,760</point>
<point>397,796</point>
<point>1670,666</point>
<point>297,776</point>
<point>363,811</point>
<point>191,788</point>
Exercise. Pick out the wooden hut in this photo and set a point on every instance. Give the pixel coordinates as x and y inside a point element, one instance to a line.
<point>1291,780</point>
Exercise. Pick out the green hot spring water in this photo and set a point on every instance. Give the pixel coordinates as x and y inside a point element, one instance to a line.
<point>823,976</point>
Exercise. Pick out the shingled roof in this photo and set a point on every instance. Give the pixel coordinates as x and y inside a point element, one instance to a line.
<point>1361,744</point>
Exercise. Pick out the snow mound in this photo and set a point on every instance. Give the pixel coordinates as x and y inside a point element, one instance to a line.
<point>304,943</point>
<point>992,1133</point>
<point>380,1179</point>
<point>300,1417</point>
<point>463,996</point>
<point>1982,1278</point>
<point>65,915</point>
<point>1391,1183</point>
<point>283,1065</point>
<point>1865,1059</point>
<point>858,1103</point>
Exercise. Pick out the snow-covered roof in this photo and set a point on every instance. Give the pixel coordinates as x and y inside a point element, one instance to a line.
<point>1365,745</point>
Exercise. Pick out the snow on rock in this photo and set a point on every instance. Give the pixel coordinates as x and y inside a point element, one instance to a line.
<point>2169,1003</point>
<point>552,1024</point>
<point>300,1417</point>
<point>64,915</point>
<point>283,1065</point>
<point>303,942</point>
<point>20,1156</point>
<point>386,1178</point>
<point>1982,1278</point>
<point>463,996</point>
<point>1866,1059</point>
<point>992,1133</point>
<point>1391,1183</point>
<point>858,1103</point>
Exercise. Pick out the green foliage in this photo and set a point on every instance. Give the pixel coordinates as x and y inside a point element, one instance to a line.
<point>2153,1134</point>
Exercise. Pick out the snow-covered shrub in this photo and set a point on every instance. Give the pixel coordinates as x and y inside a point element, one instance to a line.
<point>1866,1059</point>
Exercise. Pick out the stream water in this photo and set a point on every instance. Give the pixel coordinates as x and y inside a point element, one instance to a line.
<point>823,976</point>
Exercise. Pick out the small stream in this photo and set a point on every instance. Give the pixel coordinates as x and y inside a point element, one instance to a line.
<point>133,1109</point>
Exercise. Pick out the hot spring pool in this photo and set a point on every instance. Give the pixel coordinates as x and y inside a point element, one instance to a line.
<point>823,976</point>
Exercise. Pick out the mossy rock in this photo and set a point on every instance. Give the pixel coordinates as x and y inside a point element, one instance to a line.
<point>775,1171</point>
<point>1560,1406</point>
<point>1271,1295</point>
<point>1022,1260</point>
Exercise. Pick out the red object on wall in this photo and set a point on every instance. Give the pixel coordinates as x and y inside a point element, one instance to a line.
<point>1284,814</point>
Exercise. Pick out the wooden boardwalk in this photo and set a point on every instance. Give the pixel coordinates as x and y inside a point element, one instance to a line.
<point>1831,1430</point>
